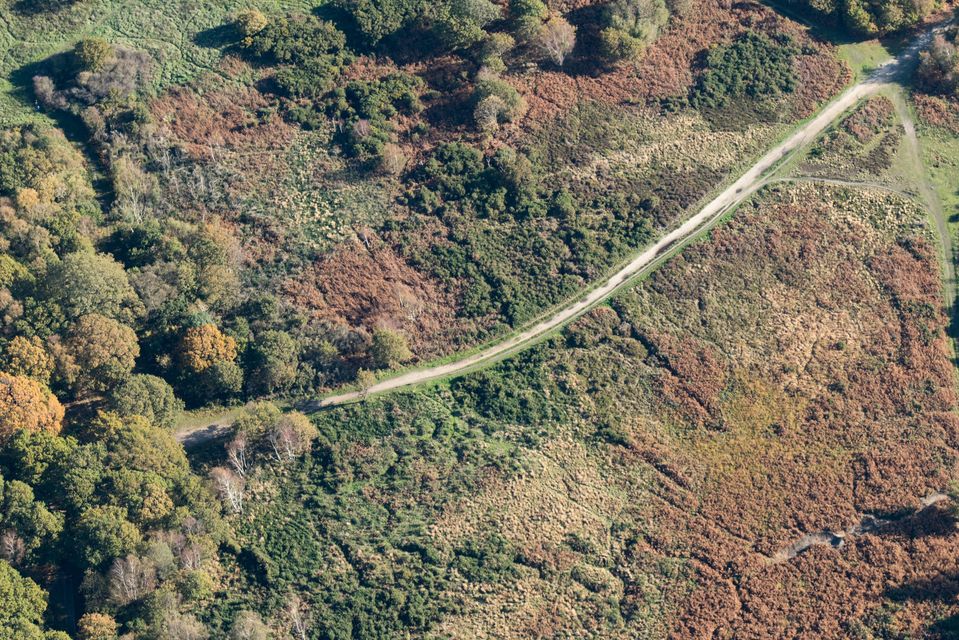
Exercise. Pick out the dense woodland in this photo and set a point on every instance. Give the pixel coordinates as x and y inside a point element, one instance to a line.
<point>151,261</point>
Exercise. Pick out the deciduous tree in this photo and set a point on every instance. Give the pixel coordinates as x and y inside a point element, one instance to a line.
<point>203,346</point>
<point>248,626</point>
<point>87,282</point>
<point>29,358</point>
<point>292,436</point>
<point>230,486</point>
<point>97,626</point>
<point>130,579</point>
<point>389,349</point>
<point>101,353</point>
<point>556,38</point>
<point>147,396</point>
<point>27,404</point>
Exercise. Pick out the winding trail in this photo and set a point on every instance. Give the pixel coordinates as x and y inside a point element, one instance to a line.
<point>648,259</point>
<point>736,193</point>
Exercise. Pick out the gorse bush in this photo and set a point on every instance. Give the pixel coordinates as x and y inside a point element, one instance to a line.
<point>753,68</point>
<point>312,51</point>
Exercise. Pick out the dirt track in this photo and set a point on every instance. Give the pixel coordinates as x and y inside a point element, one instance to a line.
<point>731,197</point>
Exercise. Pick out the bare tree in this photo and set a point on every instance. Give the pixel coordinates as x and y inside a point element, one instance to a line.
<point>236,453</point>
<point>131,578</point>
<point>12,547</point>
<point>230,486</point>
<point>291,437</point>
<point>556,38</point>
<point>248,626</point>
<point>192,555</point>
<point>298,616</point>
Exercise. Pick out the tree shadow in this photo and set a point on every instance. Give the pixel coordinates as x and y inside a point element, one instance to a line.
<point>941,588</point>
<point>224,36</point>
<point>931,522</point>
<point>36,7</point>
<point>821,27</point>
<point>947,628</point>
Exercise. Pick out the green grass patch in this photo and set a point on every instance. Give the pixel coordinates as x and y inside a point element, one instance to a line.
<point>863,57</point>
<point>183,36</point>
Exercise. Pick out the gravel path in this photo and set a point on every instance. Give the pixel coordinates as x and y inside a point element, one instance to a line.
<point>731,197</point>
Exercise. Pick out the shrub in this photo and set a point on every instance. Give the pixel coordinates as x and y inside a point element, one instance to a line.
<point>753,67</point>
<point>297,39</point>
<point>514,105</point>
<point>311,78</point>
<point>392,159</point>
<point>488,112</point>
<point>492,50</point>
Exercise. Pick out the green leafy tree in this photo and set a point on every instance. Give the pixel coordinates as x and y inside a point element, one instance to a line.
<point>104,533</point>
<point>86,282</point>
<point>629,26</point>
<point>36,525</point>
<point>22,604</point>
<point>528,17</point>
<point>389,349</point>
<point>147,396</point>
<point>92,54</point>
<point>275,361</point>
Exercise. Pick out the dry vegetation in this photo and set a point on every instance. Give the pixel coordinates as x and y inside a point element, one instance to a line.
<point>643,475</point>
<point>824,393</point>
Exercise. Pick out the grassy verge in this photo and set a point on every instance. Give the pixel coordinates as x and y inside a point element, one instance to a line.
<point>183,36</point>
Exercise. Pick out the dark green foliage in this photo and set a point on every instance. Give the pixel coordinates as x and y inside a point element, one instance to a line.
<point>753,68</point>
<point>312,51</point>
<point>273,362</point>
<point>22,604</point>
<point>487,559</point>
<point>365,108</point>
<point>870,17</point>
<point>312,78</point>
<point>527,16</point>
<point>147,396</point>
<point>377,19</point>
<point>367,569</point>
<point>517,391</point>
<point>296,39</point>
<point>452,24</point>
